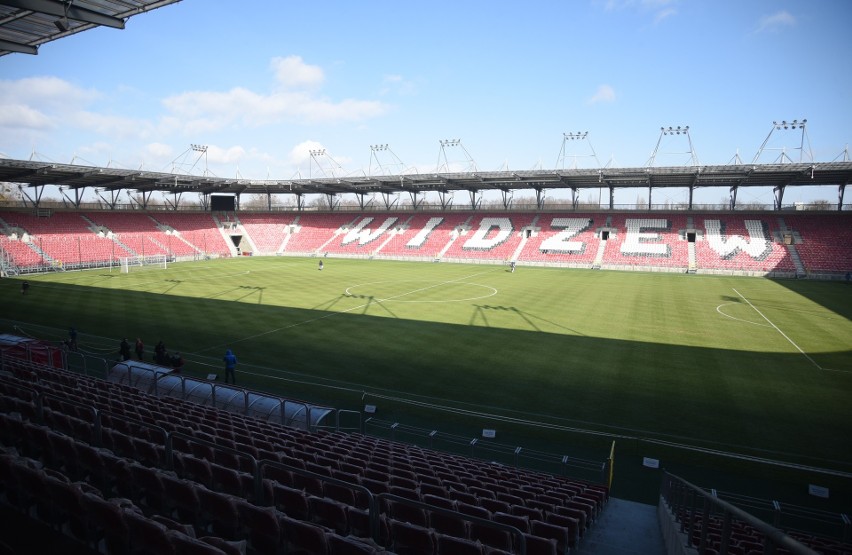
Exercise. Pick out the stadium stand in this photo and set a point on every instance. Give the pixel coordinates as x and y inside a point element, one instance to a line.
<point>746,244</point>
<point>268,231</point>
<point>137,232</point>
<point>785,245</point>
<point>199,230</point>
<point>65,238</point>
<point>314,231</point>
<point>490,237</point>
<point>650,242</point>
<point>147,474</point>
<point>563,238</point>
<point>416,237</point>
<point>823,241</point>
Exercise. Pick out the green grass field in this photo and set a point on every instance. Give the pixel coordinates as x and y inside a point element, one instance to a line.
<point>740,365</point>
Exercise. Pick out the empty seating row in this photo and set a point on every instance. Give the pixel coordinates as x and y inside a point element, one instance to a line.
<point>302,450</point>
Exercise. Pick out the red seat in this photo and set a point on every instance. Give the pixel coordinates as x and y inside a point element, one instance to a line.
<point>260,525</point>
<point>491,536</point>
<point>302,538</point>
<point>452,545</point>
<point>408,539</point>
<point>220,511</point>
<point>146,535</point>
<point>187,545</point>
<point>329,513</point>
<point>291,502</point>
<point>545,530</point>
<point>340,545</point>
<point>536,545</point>
<point>107,522</point>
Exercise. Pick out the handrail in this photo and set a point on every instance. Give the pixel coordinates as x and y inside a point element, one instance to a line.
<point>522,541</point>
<point>224,448</point>
<point>675,490</point>
<point>94,411</point>
<point>372,504</point>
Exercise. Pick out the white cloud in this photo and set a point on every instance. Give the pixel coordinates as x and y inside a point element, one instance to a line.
<point>230,155</point>
<point>117,127</point>
<point>397,84</point>
<point>292,72</point>
<point>776,21</point>
<point>21,116</point>
<point>40,103</point>
<point>203,111</point>
<point>661,9</point>
<point>664,14</point>
<point>301,153</point>
<point>50,91</point>
<point>158,154</point>
<point>605,93</point>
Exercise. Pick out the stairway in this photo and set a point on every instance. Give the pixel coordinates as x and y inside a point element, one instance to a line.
<point>690,249</point>
<point>791,248</point>
<point>624,528</point>
<point>599,256</point>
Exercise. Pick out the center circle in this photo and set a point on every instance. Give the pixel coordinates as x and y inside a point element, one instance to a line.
<point>420,291</point>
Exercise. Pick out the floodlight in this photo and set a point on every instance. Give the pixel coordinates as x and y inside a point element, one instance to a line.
<point>62,24</point>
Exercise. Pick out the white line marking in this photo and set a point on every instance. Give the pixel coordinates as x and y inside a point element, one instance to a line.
<point>793,343</point>
<point>719,310</point>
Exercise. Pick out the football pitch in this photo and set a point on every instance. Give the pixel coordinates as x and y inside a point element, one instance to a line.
<point>561,360</point>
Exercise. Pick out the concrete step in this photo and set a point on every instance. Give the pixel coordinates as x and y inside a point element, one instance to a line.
<point>625,527</point>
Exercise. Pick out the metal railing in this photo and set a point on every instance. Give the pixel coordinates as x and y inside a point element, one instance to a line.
<point>521,457</point>
<point>694,509</point>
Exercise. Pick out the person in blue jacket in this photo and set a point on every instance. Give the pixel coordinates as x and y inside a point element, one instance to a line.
<point>230,364</point>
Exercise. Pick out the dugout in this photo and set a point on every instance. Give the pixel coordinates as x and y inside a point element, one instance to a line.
<point>164,382</point>
<point>32,350</point>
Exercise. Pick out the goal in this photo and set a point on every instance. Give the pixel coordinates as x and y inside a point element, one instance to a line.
<point>138,263</point>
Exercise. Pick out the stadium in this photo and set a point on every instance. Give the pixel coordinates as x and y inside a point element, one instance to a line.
<point>423,376</point>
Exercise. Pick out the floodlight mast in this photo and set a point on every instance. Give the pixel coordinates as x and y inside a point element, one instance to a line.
<point>316,154</point>
<point>384,169</point>
<point>180,164</point>
<point>450,143</point>
<point>202,151</point>
<point>669,131</point>
<point>563,152</point>
<point>785,125</point>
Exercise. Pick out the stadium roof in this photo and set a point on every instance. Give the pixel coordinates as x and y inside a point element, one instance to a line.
<point>76,177</point>
<point>27,24</point>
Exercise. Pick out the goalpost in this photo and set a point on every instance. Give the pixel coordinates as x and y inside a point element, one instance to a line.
<point>138,263</point>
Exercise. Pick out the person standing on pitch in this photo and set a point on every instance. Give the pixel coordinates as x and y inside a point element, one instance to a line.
<point>230,364</point>
<point>124,349</point>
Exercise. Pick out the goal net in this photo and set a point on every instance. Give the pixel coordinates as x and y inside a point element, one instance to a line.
<point>139,263</point>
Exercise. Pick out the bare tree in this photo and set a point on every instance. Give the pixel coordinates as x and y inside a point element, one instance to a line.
<point>819,205</point>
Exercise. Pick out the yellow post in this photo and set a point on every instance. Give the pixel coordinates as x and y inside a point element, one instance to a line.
<point>611,464</point>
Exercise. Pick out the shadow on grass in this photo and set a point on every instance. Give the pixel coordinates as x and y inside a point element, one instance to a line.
<point>773,405</point>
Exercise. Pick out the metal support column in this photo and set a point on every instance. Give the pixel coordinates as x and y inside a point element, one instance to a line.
<point>779,196</point>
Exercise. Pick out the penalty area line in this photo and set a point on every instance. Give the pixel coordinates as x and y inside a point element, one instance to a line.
<point>784,335</point>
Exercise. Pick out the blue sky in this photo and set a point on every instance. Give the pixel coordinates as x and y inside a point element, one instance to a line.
<point>264,82</point>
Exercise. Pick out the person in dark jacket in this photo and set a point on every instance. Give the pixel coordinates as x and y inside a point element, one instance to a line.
<point>230,365</point>
<point>124,349</point>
